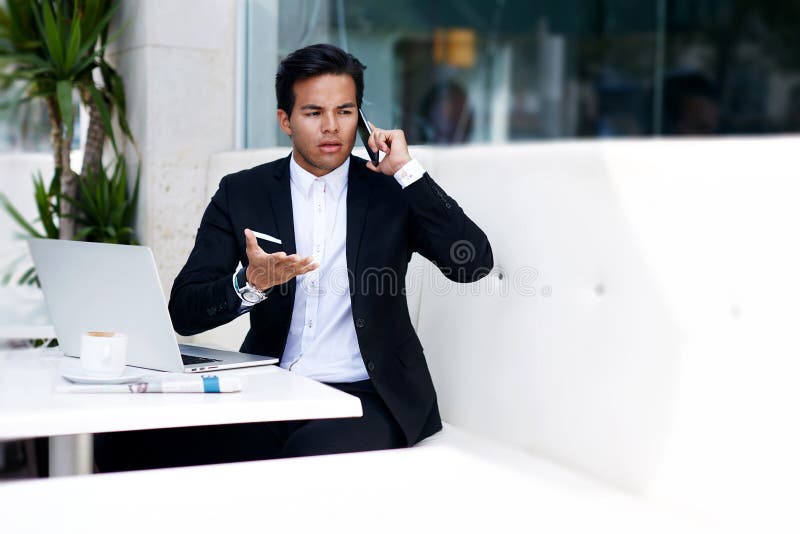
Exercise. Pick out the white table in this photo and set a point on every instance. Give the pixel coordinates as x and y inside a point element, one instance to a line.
<point>30,406</point>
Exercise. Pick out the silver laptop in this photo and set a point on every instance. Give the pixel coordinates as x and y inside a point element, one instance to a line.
<point>97,286</point>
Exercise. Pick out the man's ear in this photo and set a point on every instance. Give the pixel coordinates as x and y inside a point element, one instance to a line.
<point>283,122</point>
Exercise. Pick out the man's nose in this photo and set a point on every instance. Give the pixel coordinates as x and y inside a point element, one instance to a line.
<point>330,123</point>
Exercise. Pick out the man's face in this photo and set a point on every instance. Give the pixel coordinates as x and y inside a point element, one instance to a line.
<point>323,122</point>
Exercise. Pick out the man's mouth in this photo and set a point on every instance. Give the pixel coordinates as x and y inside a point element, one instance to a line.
<point>330,146</point>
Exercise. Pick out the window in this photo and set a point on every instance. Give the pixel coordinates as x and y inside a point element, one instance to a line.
<point>464,71</point>
<point>25,127</point>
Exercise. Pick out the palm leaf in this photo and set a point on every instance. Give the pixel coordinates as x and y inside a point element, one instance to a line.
<point>98,28</point>
<point>17,216</point>
<point>116,89</point>
<point>21,27</point>
<point>45,207</point>
<point>130,208</point>
<point>51,33</point>
<point>74,45</point>
<point>28,276</point>
<point>84,233</point>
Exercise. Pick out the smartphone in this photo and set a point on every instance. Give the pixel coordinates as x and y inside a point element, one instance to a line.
<point>365,132</point>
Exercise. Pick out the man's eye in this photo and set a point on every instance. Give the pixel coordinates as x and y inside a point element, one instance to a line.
<point>313,114</point>
<point>345,112</point>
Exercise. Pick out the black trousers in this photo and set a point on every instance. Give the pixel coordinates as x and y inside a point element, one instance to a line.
<point>174,447</point>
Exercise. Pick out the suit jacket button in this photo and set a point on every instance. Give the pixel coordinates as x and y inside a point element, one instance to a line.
<point>360,323</point>
<point>371,366</point>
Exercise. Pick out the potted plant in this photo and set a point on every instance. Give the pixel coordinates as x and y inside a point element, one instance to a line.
<point>54,50</point>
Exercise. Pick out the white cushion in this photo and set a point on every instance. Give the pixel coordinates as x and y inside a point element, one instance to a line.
<point>571,353</point>
<point>658,351</point>
<point>455,483</point>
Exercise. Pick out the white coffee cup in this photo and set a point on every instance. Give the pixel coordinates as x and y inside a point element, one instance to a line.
<point>104,353</point>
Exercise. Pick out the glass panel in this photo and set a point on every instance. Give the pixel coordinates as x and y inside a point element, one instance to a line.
<point>23,128</point>
<point>733,67</point>
<point>456,71</point>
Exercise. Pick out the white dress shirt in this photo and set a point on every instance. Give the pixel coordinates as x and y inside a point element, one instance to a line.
<point>322,342</point>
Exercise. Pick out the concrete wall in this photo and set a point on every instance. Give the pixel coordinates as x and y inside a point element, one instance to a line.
<point>177,58</point>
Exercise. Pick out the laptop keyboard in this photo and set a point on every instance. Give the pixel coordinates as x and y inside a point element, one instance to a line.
<point>192,360</point>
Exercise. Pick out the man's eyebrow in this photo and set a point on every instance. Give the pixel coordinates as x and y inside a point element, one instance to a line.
<point>316,107</point>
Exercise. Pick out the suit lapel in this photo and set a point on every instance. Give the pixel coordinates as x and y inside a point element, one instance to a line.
<point>359,187</point>
<point>281,200</point>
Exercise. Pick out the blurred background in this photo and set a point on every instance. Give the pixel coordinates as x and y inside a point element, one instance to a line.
<point>465,71</point>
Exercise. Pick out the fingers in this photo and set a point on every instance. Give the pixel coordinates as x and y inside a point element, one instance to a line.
<point>291,266</point>
<point>371,141</point>
<point>251,244</point>
<point>377,143</point>
<point>393,144</point>
<point>381,140</point>
<point>309,266</point>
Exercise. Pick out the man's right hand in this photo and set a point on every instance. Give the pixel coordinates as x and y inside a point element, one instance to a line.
<point>267,270</point>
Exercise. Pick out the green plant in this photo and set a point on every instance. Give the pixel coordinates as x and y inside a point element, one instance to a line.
<point>104,212</point>
<point>52,49</point>
<point>47,206</point>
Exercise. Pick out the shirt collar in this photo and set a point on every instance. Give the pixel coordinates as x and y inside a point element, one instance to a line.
<point>303,180</point>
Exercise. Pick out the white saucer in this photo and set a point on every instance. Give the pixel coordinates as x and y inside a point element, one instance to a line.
<point>74,373</point>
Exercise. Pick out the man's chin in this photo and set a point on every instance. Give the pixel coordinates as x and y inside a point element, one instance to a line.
<point>322,163</point>
<point>329,162</point>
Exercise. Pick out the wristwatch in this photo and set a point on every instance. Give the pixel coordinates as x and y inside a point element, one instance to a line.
<point>247,291</point>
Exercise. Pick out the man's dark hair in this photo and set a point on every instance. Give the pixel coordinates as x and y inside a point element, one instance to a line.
<point>311,61</point>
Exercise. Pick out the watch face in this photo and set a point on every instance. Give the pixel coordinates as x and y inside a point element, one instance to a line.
<point>251,296</point>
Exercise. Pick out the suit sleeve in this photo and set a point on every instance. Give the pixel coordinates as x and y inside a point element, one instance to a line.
<point>442,233</point>
<point>202,295</point>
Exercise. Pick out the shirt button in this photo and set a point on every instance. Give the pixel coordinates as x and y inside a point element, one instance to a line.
<point>371,366</point>
<point>360,323</point>
<point>310,323</point>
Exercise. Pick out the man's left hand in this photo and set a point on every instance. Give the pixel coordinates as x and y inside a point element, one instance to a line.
<point>393,144</point>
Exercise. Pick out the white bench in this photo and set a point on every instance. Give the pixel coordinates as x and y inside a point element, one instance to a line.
<point>639,327</point>
<point>634,369</point>
<point>649,384</point>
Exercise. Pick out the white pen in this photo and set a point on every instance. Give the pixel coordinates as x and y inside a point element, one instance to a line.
<point>205,384</point>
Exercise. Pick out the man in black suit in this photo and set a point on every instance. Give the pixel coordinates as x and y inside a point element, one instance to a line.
<point>324,239</point>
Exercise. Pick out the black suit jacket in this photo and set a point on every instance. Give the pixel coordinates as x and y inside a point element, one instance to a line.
<point>385,225</point>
